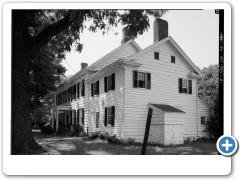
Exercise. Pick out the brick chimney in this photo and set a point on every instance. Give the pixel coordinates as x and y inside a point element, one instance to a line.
<point>125,36</point>
<point>160,30</point>
<point>83,65</point>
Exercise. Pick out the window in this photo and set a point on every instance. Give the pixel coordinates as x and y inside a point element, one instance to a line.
<point>156,55</point>
<point>141,80</point>
<point>97,119</point>
<point>95,88</point>
<point>203,120</point>
<point>185,86</point>
<point>109,83</point>
<point>172,59</point>
<point>109,116</point>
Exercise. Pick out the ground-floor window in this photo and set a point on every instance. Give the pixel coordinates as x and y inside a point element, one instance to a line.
<point>203,120</point>
<point>109,116</point>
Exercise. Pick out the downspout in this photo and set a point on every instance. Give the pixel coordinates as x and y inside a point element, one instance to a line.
<point>123,134</point>
<point>197,104</point>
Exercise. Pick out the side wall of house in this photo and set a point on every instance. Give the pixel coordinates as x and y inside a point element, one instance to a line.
<point>98,103</point>
<point>164,89</point>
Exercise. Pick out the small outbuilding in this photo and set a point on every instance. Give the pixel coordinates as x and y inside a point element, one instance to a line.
<point>166,125</point>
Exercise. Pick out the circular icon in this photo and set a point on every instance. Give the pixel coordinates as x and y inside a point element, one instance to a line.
<point>227,145</point>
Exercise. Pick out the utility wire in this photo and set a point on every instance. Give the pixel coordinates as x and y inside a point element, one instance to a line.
<point>69,66</point>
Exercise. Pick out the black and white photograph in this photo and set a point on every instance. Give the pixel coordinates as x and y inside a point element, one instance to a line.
<point>132,81</point>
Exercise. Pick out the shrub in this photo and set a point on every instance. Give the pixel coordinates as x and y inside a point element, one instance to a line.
<point>35,127</point>
<point>62,130</point>
<point>47,129</point>
<point>76,130</point>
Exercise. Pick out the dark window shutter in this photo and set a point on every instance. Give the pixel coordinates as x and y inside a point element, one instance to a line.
<point>70,117</point>
<point>83,116</point>
<point>78,118</point>
<point>180,85</point>
<point>135,79</point>
<point>75,116</point>
<point>78,90</point>
<point>113,116</point>
<point>83,89</point>
<point>148,80</point>
<point>97,87</point>
<point>189,86</point>
<point>71,88</point>
<point>105,117</point>
<point>113,81</point>
<point>92,89</point>
<point>105,84</point>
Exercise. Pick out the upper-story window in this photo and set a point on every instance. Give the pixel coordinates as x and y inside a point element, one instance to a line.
<point>156,55</point>
<point>95,88</point>
<point>109,83</point>
<point>141,80</point>
<point>172,59</point>
<point>185,86</point>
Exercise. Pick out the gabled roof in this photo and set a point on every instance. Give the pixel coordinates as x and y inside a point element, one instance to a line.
<point>116,50</point>
<point>165,108</point>
<point>186,59</point>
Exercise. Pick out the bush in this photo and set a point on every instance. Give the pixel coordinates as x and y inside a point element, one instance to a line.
<point>76,130</point>
<point>35,127</point>
<point>47,129</point>
<point>41,123</point>
<point>62,130</point>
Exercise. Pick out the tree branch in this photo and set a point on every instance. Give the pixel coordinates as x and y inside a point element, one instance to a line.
<point>50,31</point>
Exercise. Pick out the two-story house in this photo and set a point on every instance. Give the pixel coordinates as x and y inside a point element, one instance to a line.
<point>114,93</point>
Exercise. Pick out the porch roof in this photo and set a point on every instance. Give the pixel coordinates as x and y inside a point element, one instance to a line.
<point>165,108</point>
<point>62,108</point>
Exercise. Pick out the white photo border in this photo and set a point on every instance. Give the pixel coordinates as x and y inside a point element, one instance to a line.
<point>119,165</point>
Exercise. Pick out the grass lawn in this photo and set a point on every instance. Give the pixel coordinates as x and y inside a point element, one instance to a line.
<point>60,145</point>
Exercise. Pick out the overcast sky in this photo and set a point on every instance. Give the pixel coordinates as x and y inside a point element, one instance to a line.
<point>195,31</point>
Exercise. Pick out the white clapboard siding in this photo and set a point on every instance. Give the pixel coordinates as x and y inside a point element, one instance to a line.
<point>164,89</point>
<point>204,111</point>
<point>128,50</point>
<point>111,98</point>
<point>174,118</point>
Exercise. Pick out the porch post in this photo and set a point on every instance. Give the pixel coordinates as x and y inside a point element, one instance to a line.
<point>53,116</point>
<point>57,120</point>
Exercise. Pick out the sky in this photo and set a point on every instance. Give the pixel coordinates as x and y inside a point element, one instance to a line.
<point>195,31</point>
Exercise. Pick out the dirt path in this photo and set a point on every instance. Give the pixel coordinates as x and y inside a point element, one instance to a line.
<point>59,145</point>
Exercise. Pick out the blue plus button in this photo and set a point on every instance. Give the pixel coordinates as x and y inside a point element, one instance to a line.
<point>227,145</point>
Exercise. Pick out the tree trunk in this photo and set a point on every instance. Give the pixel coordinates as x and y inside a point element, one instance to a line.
<point>23,141</point>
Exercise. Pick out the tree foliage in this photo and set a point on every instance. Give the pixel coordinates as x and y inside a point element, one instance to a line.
<point>208,91</point>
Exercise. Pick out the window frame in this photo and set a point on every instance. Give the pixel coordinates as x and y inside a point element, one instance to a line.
<point>203,120</point>
<point>110,85</point>
<point>156,55</point>
<point>173,59</point>
<point>144,81</point>
<point>186,88</point>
